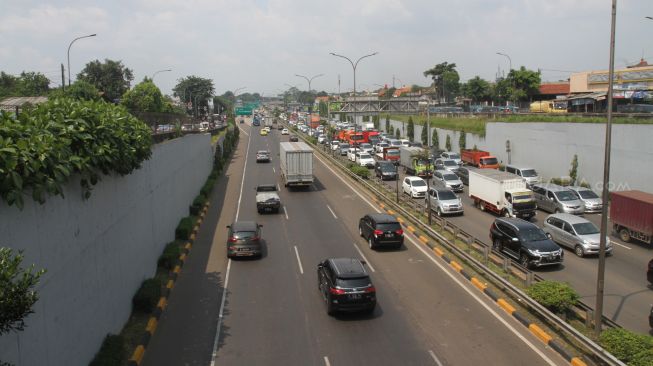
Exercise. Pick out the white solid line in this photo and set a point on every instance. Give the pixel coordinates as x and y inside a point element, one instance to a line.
<point>273,171</point>
<point>299,261</point>
<point>326,361</point>
<point>242,181</point>
<point>479,300</point>
<point>332,213</point>
<point>278,189</point>
<point>285,212</point>
<point>435,358</point>
<point>243,131</point>
<point>216,340</point>
<point>621,245</point>
<point>363,256</point>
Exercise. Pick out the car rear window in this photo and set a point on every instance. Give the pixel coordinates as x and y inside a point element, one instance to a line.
<point>244,234</point>
<point>353,282</point>
<point>389,226</point>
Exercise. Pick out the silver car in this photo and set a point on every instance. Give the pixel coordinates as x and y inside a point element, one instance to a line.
<point>576,233</point>
<point>593,203</point>
<point>448,179</point>
<point>444,202</point>
<point>554,198</point>
<point>453,156</point>
<point>446,164</point>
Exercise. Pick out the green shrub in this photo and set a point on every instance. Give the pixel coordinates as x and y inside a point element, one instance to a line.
<point>562,181</point>
<point>556,296</point>
<point>629,347</point>
<point>360,171</point>
<point>183,230</point>
<point>170,255</point>
<point>147,296</point>
<point>207,187</point>
<point>113,352</point>
<point>199,201</point>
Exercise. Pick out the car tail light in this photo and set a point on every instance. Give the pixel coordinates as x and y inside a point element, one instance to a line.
<point>370,289</point>
<point>232,239</point>
<point>255,238</point>
<point>231,248</point>
<point>336,291</point>
<point>399,232</point>
<point>378,232</point>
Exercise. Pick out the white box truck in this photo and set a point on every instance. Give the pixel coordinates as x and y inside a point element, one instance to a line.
<point>296,159</point>
<point>500,192</point>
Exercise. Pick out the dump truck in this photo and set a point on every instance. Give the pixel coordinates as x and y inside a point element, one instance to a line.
<point>411,159</point>
<point>390,154</point>
<point>631,213</point>
<point>502,193</point>
<point>479,158</point>
<point>296,160</point>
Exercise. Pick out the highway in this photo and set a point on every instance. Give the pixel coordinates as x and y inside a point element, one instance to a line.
<point>628,297</point>
<point>272,313</point>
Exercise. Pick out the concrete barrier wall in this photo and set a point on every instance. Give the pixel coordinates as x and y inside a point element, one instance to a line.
<point>98,251</point>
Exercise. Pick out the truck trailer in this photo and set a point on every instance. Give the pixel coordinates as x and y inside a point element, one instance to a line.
<point>296,160</point>
<point>500,192</point>
<point>631,213</point>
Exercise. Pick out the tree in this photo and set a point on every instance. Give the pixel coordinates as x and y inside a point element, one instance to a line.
<point>194,89</point>
<point>222,103</point>
<point>445,79</point>
<point>411,129</point>
<point>573,172</point>
<point>33,84</point>
<point>525,83</point>
<point>375,120</point>
<point>462,140</point>
<point>111,78</point>
<point>144,97</point>
<point>425,135</point>
<point>17,295</point>
<point>80,90</point>
<point>391,130</point>
<point>500,91</point>
<point>447,144</point>
<point>477,90</point>
<point>435,139</point>
<point>8,85</point>
<point>387,123</point>
<point>397,133</point>
<point>323,108</point>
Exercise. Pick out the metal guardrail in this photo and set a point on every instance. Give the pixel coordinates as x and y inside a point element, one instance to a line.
<point>601,354</point>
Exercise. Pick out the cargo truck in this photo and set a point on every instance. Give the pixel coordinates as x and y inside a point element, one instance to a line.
<point>500,192</point>
<point>479,158</point>
<point>631,213</point>
<point>413,161</point>
<point>390,154</point>
<point>296,160</point>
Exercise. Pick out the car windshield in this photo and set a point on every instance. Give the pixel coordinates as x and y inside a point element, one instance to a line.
<point>527,173</point>
<point>266,188</point>
<point>566,196</point>
<point>419,183</point>
<point>366,146</point>
<point>353,282</point>
<point>244,234</point>
<point>447,195</point>
<point>450,177</point>
<point>382,144</point>
<point>395,143</point>
<point>587,194</point>
<point>534,234</point>
<point>365,156</point>
<point>263,153</point>
<point>454,156</point>
<point>585,228</point>
<point>393,153</point>
<point>387,167</point>
<point>490,161</point>
<point>423,162</point>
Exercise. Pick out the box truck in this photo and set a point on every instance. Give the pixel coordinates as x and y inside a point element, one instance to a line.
<point>296,160</point>
<point>413,161</point>
<point>500,192</point>
<point>631,213</point>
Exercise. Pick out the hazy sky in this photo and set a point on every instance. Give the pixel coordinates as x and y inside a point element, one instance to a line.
<point>262,44</point>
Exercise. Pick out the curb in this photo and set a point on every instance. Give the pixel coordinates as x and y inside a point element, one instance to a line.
<point>139,352</point>
<point>503,304</point>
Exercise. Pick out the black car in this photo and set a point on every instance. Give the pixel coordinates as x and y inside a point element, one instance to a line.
<point>385,170</point>
<point>244,239</point>
<point>649,272</point>
<point>381,230</point>
<point>293,138</point>
<point>525,242</point>
<point>256,122</point>
<point>463,174</point>
<point>650,318</point>
<point>345,285</point>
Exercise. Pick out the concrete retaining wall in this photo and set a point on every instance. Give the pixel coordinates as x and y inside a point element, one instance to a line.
<point>97,252</point>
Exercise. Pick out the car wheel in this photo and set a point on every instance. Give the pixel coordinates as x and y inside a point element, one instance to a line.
<point>624,234</point>
<point>524,260</point>
<point>330,309</point>
<point>439,211</point>
<point>370,242</point>
<point>496,245</point>
<point>360,231</point>
<point>481,206</point>
<point>556,211</point>
<point>506,213</point>
<point>579,251</point>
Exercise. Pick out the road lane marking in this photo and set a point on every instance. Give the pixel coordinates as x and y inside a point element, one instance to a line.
<point>326,361</point>
<point>621,245</point>
<point>216,340</point>
<point>332,213</point>
<point>285,212</point>
<point>243,131</point>
<point>299,261</point>
<point>363,256</point>
<point>435,358</point>
<point>278,187</point>
<point>274,171</point>
<point>242,182</point>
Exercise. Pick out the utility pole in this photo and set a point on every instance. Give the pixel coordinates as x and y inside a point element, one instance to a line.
<point>63,78</point>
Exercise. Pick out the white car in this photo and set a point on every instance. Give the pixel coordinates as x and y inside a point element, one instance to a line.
<point>364,159</point>
<point>405,142</point>
<point>335,145</point>
<point>368,148</point>
<point>453,156</point>
<point>285,131</point>
<point>351,153</point>
<point>381,145</point>
<point>394,143</point>
<point>414,187</point>
<point>321,139</point>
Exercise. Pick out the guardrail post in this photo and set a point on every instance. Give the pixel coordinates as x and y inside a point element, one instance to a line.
<point>529,278</point>
<point>589,315</point>
<point>456,231</point>
<point>506,267</point>
<point>469,241</point>
<point>486,255</point>
<point>443,223</point>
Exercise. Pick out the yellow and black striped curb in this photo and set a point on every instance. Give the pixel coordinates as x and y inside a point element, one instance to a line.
<point>152,323</point>
<point>503,304</point>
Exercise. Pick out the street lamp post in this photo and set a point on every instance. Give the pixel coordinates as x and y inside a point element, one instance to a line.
<point>509,59</point>
<point>160,71</point>
<point>71,43</point>
<point>310,109</point>
<point>353,66</point>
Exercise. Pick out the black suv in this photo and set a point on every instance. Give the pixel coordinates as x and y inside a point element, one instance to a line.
<point>525,242</point>
<point>385,170</point>
<point>463,174</point>
<point>345,285</point>
<point>381,229</point>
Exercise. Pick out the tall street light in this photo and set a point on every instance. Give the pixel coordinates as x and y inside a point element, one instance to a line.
<point>71,43</point>
<point>160,71</point>
<point>353,66</point>
<point>309,80</point>
<point>509,59</point>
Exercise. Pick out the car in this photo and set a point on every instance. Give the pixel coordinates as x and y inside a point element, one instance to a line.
<point>344,149</point>
<point>394,143</point>
<point>244,239</point>
<point>366,147</point>
<point>256,122</point>
<point>529,174</point>
<point>463,174</point>
<point>444,202</point>
<point>351,153</point>
<point>381,145</point>
<point>385,170</point>
<point>524,242</point>
<point>321,139</point>
<point>364,159</point>
<point>591,201</point>
<point>345,285</point>
<point>285,131</point>
<point>380,229</point>
<point>415,144</point>
<point>554,198</point>
<point>649,272</point>
<point>650,318</point>
<point>263,156</point>
<point>415,187</point>
<point>447,179</point>
<point>405,142</point>
<point>446,164</point>
<point>267,128</point>
<point>280,127</point>
<point>267,198</point>
<point>451,155</point>
<point>335,145</point>
<point>293,138</point>
<point>576,233</point>
<point>242,121</point>
<point>263,132</point>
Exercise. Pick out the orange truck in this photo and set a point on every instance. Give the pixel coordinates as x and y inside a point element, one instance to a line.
<point>479,158</point>
<point>351,137</point>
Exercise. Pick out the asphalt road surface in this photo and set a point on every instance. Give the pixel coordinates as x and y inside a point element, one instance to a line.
<point>272,314</point>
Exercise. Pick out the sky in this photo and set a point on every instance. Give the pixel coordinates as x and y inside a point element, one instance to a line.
<point>260,45</point>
